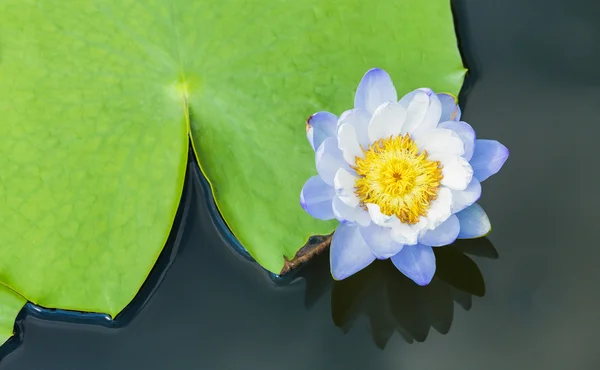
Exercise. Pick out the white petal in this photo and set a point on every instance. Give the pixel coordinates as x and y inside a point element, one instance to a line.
<point>346,213</point>
<point>474,222</point>
<point>320,126</point>
<point>387,121</point>
<point>416,104</point>
<point>349,253</point>
<point>343,183</point>
<point>316,198</point>
<point>359,119</point>
<point>407,234</point>
<point>446,233</point>
<point>380,240</point>
<point>466,133</point>
<point>423,111</point>
<point>348,143</point>
<point>461,199</point>
<point>379,218</point>
<point>441,141</point>
<point>374,89</point>
<point>432,116</point>
<point>457,171</point>
<point>439,209</point>
<point>329,159</point>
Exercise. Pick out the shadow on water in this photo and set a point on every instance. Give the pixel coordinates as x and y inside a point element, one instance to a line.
<point>392,302</point>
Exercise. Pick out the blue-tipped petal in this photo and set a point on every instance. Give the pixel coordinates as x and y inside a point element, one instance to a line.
<point>374,89</point>
<point>446,233</point>
<point>450,108</point>
<point>380,240</point>
<point>316,198</point>
<point>329,159</point>
<point>474,223</point>
<point>320,126</point>
<point>349,253</point>
<point>416,262</point>
<point>461,199</point>
<point>488,158</point>
<point>466,133</point>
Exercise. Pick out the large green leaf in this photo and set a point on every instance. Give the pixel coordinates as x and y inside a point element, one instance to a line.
<point>93,146</point>
<point>97,99</point>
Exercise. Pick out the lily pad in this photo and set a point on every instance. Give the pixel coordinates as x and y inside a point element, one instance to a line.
<point>98,99</point>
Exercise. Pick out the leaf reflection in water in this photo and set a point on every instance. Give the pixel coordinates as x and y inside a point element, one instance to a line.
<point>392,302</point>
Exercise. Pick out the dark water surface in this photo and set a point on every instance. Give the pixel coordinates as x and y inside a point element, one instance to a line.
<point>534,86</point>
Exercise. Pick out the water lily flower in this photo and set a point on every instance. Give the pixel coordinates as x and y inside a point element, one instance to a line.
<point>401,176</point>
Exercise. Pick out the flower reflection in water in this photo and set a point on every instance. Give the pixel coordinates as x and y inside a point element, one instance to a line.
<point>392,302</point>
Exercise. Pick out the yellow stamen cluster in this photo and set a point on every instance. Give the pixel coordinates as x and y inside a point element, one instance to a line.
<point>398,178</point>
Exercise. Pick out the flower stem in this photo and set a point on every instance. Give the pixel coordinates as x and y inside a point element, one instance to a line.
<point>314,246</point>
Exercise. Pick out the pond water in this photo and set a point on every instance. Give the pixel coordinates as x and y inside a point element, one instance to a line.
<point>535,86</point>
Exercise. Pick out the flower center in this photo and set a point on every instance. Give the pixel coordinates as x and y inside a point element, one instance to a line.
<point>398,178</point>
